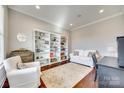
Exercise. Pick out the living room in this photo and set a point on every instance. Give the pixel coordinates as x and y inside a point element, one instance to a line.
<point>53,46</point>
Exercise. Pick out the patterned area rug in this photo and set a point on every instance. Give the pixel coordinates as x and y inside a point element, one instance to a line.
<point>65,76</point>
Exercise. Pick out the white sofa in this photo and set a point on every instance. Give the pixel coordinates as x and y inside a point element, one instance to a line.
<point>83,57</point>
<point>27,77</point>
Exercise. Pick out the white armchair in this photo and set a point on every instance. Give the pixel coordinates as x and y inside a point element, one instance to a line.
<point>28,77</point>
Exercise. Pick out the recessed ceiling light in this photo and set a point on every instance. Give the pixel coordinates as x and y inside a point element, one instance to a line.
<point>71,24</point>
<point>101,11</point>
<point>37,7</point>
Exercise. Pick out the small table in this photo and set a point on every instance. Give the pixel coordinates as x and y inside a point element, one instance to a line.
<point>110,75</point>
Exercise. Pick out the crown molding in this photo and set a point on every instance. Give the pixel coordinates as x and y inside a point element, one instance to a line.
<point>97,21</point>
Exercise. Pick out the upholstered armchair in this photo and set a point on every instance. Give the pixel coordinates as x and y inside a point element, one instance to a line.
<point>26,77</point>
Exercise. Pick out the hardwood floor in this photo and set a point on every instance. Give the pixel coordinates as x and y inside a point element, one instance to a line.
<point>87,82</point>
<point>6,84</point>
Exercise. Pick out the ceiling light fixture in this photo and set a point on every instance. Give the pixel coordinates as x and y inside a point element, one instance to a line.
<point>101,11</point>
<point>71,24</point>
<point>37,7</point>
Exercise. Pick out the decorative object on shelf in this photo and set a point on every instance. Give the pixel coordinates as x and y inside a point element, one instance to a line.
<point>26,55</point>
<point>21,37</point>
<point>51,54</point>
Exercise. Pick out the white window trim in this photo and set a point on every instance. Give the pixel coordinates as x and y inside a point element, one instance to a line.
<point>2,35</point>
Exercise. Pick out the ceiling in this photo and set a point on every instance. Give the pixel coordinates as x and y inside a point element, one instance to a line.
<point>64,15</point>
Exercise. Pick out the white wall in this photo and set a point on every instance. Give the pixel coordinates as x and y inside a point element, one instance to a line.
<point>98,36</point>
<point>19,22</point>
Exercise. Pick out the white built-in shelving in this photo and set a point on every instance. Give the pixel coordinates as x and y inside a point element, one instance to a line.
<point>49,47</point>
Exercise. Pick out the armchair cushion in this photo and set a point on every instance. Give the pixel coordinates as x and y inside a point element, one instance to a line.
<point>32,64</point>
<point>23,76</point>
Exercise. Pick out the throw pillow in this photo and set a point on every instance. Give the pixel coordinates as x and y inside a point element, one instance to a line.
<point>21,66</point>
<point>81,53</point>
<point>76,53</point>
<point>86,53</point>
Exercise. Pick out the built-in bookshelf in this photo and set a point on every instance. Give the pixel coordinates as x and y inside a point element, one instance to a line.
<point>50,47</point>
<point>54,48</point>
<point>64,48</point>
<point>42,47</point>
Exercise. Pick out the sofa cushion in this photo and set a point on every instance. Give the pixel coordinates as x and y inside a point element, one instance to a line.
<point>76,52</point>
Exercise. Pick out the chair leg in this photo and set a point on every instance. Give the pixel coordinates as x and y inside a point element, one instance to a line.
<point>95,76</point>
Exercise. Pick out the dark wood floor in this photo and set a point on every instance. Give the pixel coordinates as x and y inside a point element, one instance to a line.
<point>87,82</point>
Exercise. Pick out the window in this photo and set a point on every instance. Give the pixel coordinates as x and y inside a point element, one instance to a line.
<point>1,35</point>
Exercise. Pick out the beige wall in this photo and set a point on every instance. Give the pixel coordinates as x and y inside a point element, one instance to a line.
<point>98,36</point>
<point>19,22</point>
<point>5,31</point>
